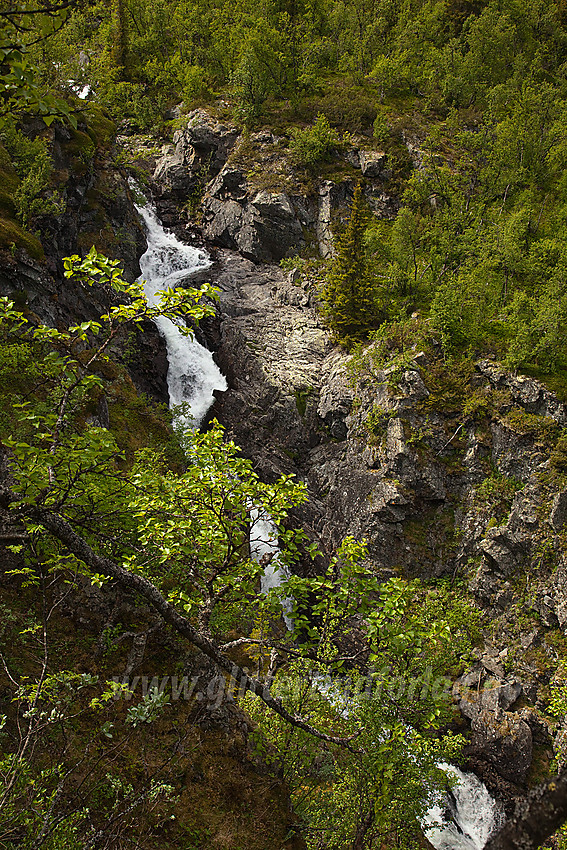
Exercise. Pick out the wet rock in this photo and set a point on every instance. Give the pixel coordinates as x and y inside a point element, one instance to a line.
<point>499,736</point>
<point>505,740</point>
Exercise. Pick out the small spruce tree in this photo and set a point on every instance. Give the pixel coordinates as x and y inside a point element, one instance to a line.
<point>349,295</point>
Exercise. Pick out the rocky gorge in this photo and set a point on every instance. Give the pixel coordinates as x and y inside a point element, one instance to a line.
<point>444,475</point>
<point>447,472</point>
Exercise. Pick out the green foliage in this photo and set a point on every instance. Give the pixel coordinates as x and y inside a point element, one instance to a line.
<point>377,423</point>
<point>188,532</point>
<point>496,493</point>
<point>314,144</point>
<point>349,294</point>
<point>200,560</point>
<point>43,802</point>
<point>383,782</point>
<point>32,162</point>
<point>378,787</point>
<point>558,457</point>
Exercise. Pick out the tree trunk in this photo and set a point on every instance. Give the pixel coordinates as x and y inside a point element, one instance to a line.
<point>536,818</point>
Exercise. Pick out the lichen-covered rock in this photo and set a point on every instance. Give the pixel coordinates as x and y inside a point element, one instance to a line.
<point>531,395</point>
<point>372,163</point>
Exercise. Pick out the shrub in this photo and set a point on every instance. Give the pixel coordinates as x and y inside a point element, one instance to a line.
<point>314,144</point>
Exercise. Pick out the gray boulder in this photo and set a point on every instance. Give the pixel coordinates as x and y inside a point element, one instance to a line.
<point>372,163</point>
<point>263,227</point>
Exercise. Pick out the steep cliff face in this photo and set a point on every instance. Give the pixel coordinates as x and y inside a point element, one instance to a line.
<point>446,469</point>
<point>96,209</point>
<point>250,196</point>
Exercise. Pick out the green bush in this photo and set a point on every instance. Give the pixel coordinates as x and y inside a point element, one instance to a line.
<point>31,160</point>
<point>314,144</point>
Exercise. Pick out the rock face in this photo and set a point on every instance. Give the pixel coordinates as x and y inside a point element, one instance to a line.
<point>250,197</point>
<point>97,206</point>
<point>199,150</point>
<point>98,210</point>
<point>390,456</point>
<point>262,226</point>
<point>276,355</point>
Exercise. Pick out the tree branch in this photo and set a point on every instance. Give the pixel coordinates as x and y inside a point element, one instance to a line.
<point>132,582</point>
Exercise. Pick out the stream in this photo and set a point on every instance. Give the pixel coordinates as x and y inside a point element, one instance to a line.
<point>469,814</point>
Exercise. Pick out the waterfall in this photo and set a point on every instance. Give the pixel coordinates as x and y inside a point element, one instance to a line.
<point>469,817</point>
<point>263,542</point>
<point>192,373</point>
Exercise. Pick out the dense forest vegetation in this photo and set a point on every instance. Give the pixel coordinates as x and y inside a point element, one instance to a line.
<point>481,86</point>
<point>477,91</point>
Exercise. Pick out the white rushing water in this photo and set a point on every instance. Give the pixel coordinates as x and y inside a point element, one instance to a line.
<point>264,542</point>
<point>192,373</point>
<point>469,817</point>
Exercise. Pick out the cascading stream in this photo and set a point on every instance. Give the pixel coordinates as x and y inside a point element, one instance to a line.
<point>264,542</point>
<point>192,374</point>
<point>470,814</point>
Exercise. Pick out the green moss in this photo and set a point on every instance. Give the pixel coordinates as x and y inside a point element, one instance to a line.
<point>81,149</point>
<point>100,127</point>
<point>103,239</point>
<point>13,236</point>
<point>137,422</point>
<point>496,493</point>
<point>558,457</point>
<point>545,429</point>
<point>376,423</point>
<point>301,397</point>
<point>9,182</point>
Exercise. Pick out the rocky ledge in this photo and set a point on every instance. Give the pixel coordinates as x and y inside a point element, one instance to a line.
<point>249,195</point>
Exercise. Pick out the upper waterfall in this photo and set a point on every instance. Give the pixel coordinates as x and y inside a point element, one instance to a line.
<point>192,373</point>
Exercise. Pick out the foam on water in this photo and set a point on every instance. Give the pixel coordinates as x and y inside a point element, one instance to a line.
<point>469,817</point>
<point>192,374</point>
<point>264,541</point>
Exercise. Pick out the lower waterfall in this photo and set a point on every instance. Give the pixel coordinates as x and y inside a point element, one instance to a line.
<point>469,817</point>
